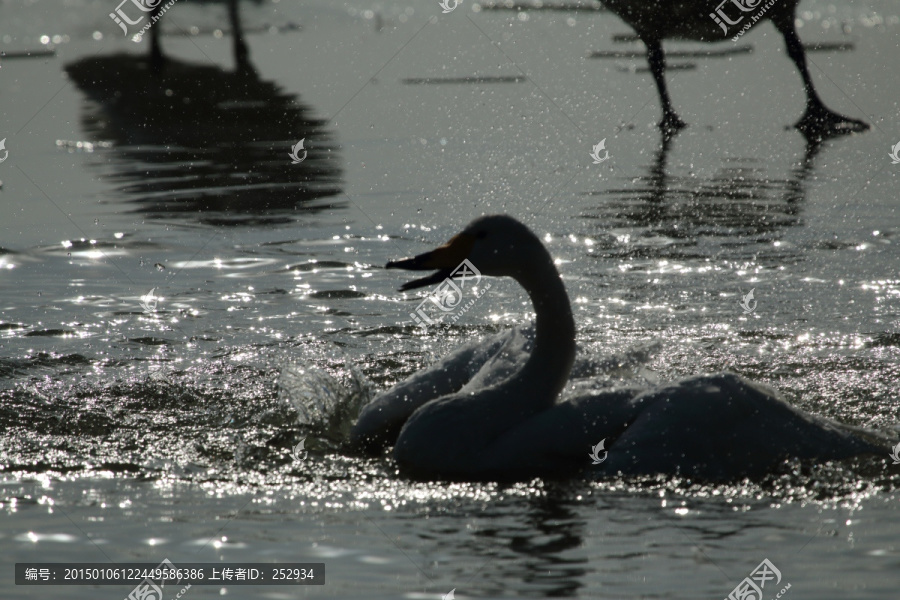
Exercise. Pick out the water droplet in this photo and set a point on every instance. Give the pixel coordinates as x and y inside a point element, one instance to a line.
<point>160,266</point>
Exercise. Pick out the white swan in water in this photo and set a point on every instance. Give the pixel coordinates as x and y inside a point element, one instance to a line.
<point>483,414</point>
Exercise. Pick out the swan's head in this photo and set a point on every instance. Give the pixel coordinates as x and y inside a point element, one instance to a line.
<point>497,245</point>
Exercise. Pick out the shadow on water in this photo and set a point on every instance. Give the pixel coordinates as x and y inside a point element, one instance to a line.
<point>197,142</point>
<point>740,205</point>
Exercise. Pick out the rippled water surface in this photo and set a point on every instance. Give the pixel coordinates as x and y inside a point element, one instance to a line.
<point>181,304</point>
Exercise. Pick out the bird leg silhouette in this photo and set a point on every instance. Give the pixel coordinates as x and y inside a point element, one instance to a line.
<point>156,56</point>
<point>241,53</point>
<point>670,123</point>
<point>818,120</point>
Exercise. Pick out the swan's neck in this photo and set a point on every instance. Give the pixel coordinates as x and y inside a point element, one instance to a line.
<point>545,373</point>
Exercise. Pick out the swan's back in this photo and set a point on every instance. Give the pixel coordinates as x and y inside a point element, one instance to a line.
<point>723,427</point>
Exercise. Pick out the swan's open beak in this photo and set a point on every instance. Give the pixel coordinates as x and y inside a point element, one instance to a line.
<point>445,258</point>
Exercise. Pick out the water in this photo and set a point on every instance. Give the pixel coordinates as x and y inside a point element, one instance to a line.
<point>181,305</point>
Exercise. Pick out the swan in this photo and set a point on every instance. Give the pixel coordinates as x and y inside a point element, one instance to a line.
<point>472,420</point>
<point>693,20</point>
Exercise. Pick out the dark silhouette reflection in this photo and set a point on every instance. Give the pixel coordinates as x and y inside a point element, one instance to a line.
<point>547,549</point>
<point>704,21</point>
<point>239,47</point>
<point>199,141</point>
<point>740,204</point>
<point>541,548</point>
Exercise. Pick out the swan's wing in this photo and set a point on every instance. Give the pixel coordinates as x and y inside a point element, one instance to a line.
<point>508,358</point>
<point>724,427</point>
<point>380,421</point>
<point>469,369</point>
<point>557,442</point>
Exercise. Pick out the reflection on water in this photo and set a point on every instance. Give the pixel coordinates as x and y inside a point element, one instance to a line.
<point>740,204</point>
<point>239,46</point>
<point>548,542</point>
<point>196,141</point>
